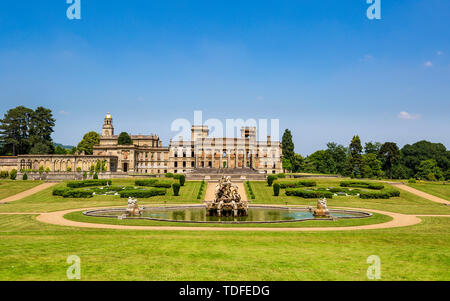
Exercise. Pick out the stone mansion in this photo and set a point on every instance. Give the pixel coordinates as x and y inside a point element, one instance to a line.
<point>147,155</point>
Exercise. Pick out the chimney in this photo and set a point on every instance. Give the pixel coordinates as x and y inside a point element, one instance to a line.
<point>268,140</point>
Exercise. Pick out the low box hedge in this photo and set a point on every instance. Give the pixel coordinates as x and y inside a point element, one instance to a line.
<point>87,183</point>
<point>309,194</point>
<point>360,184</point>
<point>296,183</point>
<point>161,183</point>
<point>382,194</point>
<point>142,193</point>
<point>72,193</point>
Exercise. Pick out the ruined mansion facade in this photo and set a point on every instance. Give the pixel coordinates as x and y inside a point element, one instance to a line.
<point>147,155</point>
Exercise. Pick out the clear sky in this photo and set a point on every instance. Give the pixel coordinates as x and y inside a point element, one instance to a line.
<point>321,67</point>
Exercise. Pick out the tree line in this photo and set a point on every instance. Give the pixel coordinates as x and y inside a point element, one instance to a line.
<point>421,160</point>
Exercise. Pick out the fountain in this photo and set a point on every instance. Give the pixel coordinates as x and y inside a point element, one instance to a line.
<point>321,210</point>
<point>227,201</point>
<point>133,209</point>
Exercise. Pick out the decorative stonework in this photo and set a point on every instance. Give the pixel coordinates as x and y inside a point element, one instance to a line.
<point>227,201</point>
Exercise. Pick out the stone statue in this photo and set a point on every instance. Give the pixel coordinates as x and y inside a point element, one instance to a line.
<point>227,201</point>
<point>321,210</point>
<point>133,209</point>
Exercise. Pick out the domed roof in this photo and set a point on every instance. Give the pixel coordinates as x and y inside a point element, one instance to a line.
<point>108,116</point>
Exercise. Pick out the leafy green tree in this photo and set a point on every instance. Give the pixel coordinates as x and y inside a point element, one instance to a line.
<point>287,165</point>
<point>287,146</point>
<point>429,170</point>
<point>339,154</point>
<point>23,129</point>
<point>15,130</point>
<point>124,139</point>
<point>86,145</point>
<point>297,163</point>
<point>371,166</point>
<point>41,148</point>
<point>389,153</point>
<point>355,158</point>
<point>59,150</point>
<point>41,129</point>
<point>372,147</point>
<point>412,155</point>
<point>321,162</point>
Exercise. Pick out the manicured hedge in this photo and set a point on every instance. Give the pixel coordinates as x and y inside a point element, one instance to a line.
<point>382,194</point>
<point>200,191</point>
<point>309,194</point>
<point>72,193</point>
<point>295,183</point>
<point>271,179</point>
<point>360,184</point>
<point>87,183</point>
<point>161,183</point>
<point>176,189</point>
<point>147,193</point>
<point>276,189</point>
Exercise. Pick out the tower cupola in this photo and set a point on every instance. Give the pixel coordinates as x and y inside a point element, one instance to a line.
<point>108,128</point>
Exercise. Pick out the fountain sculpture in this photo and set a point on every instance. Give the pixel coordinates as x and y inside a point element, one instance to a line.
<point>227,201</point>
<point>321,210</point>
<point>133,209</point>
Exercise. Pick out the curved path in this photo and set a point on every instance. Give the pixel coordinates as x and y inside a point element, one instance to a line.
<point>398,220</point>
<point>26,193</point>
<point>420,193</point>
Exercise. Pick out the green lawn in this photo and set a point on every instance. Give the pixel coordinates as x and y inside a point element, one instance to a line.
<point>44,201</point>
<point>440,190</point>
<point>10,187</point>
<point>375,219</point>
<point>30,250</point>
<point>407,203</point>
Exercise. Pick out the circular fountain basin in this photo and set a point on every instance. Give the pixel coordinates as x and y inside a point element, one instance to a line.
<point>256,214</point>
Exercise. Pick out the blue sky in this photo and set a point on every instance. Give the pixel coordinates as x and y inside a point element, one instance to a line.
<point>321,67</point>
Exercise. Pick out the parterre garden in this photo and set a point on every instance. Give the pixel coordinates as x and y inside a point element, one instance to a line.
<point>30,250</point>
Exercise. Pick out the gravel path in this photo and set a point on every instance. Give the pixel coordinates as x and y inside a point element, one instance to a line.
<point>26,193</point>
<point>421,193</point>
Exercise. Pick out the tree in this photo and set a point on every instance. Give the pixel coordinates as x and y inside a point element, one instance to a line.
<point>372,147</point>
<point>321,162</point>
<point>412,155</point>
<point>287,165</point>
<point>41,129</point>
<point>339,154</point>
<point>389,153</point>
<point>23,129</point>
<point>287,146</point>
<point>371,166</point>
<point>15,130</point>
<point>429,170</point>
<point>297,163</point>
<point>124,139</point>
<point>61,150</point>
<point>86,145</point>
<point>355,159</point>
<point>41,148</point>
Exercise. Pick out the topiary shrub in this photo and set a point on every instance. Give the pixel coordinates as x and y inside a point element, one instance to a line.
<point>13,174</point>
<point>142,193</point>
<point>95,176</point>
<point>374,195</point>
<point>4,174</point>
<point>182,179</point>
<point>281,175</point>
<point>25,177</point>
<point>271,179</point>
<point>72,193</point>
<point>308,194</point>
<point>176,189</point>
<point>412,181</point>
<point>360,184</point>
<point>276,189</point>
<point>169,175</point>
